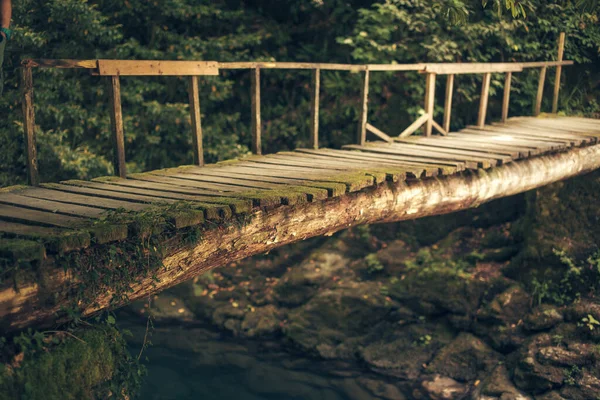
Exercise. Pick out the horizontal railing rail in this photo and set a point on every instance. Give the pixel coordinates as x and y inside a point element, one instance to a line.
<point>114,69</point>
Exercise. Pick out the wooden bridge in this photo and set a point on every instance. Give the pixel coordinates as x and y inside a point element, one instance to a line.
<point>95,242</point>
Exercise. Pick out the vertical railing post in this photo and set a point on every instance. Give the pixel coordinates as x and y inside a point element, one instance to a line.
<point>540,91</point>
<point>29,126</point>
<point>116,120</point>
<point>429,101</point>
<point>314,108</point>
<point>194,97</point>
<point>448,102</point>
<point>561,49</point>
<point>362,122</point>
<point>483,101</point>
<point>256,122</point>
<point>506,98</point>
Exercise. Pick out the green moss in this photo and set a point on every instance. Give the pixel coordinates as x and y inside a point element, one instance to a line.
<point>87,364</point>
<point>14,188</point>
<point>21,250</point>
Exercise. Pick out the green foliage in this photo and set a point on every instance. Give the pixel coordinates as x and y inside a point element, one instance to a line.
<point>92,362</point>
<point>373,264</point>
<point>427,264</point>
<point>591,322</point>
<point>571,375</point>
<point>577,279</point>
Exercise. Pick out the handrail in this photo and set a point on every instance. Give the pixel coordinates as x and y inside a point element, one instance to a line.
<point>114,69</point>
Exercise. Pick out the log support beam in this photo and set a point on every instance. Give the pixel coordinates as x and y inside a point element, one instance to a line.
<point>387,202</point>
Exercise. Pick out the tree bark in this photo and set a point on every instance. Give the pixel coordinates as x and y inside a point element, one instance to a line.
<point>267,230</point>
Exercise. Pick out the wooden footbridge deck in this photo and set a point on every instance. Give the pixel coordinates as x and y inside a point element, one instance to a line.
<point>207,215</point>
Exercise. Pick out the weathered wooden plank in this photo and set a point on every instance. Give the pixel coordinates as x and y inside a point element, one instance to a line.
<point>255,105</point>
<point>472,68</point>
<point>540,91</point>
<point>561,125</point>
<point>314,108</point>
<point>419,169</point>
<point>194,98</point>
<point>52,206</point>
<point>448,102</point>
<point>179,193</point>
<point>557,128</point>
<point>429,102</point>
<point>213,210</point>
<point>65,187</point>
<point>364,109</point>
<point>436,146</point>
<point>453,143</point>
<point>415,125</point>
<point>36,217</point>
<point>267,199</point>
<point>33,176</point>
<point>156,68</point>
<point>506,97</point>
<point>21,250</point>
<point>55,239</point>
<point>438,128</point>
<point>483,100</point>
<point>47,192</point>
<point>116,122</point>
<point>432,159</point>
<point>61,63</point>
<point>561,49</point>
<point>379,133</point>
<point>483,160</point>
<point>507,140</point>
<point>543,135</point>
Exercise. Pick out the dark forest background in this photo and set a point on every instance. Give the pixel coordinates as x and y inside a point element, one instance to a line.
<point>71,106</point>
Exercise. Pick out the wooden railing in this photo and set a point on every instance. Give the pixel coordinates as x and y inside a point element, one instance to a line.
<point>114,69</point>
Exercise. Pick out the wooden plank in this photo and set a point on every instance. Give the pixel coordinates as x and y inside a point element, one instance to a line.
<point>333,190</point>
<point>61,63</point>
<point>55,195</point>
<point>379,133</point>
<point>433,159</point>
<point>36,217</point>
<point>454,143</point>
<point>322,66</point>
<point>419,169</point>
<point>15,199</point>
<point>314,108</point>
<point>217,186</point>
<point>116,122</point>
<point>33,176</point>
<point>561,49</point>
<point>455,147</point>
<point>438,128</point>
<point>538,64</point>
<point>472,68</point>
<point>364,109</point>
<point>541,134</point>
<point>557,126</point>
<point>255,104</point>
<point>55,239</point>
<point>506,97</point>
<point>415,125</point>
<point>482,160</point>
<point>575,126</point>
<point>448,101</point>
<point>194,98</point>
<point>540,91</point>
<point>429,102</point>
<point>32,231</point>
<point>156,67</point>
<point>109,194</point>
<point>507,140</point>
<point>483,100</point>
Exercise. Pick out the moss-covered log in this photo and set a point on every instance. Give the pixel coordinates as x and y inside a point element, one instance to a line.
<point>268,229</point>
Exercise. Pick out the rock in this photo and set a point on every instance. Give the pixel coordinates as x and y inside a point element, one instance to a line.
<point>553,395</point>
<point>381,389</point>
<point>332,323</point>
<point>531,375</point>
<point>262,321</point>
<point>586,388</point>
<point>562,357</point>
<point>543,317</point>
<point>509,306</point>
<point>499,385</point>
<point>464,359</point>
<point>443,388</point>
<point>303,281</point>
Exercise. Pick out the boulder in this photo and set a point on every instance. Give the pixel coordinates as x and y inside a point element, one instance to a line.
<point>464,359</point>
<point>443,388</point>
<point>499,385</point>
<point>543,317</point>
<point>261,321</point>
<point>530,374</point>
